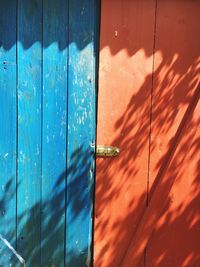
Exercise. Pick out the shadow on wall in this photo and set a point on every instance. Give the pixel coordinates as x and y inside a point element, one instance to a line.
<point>173,93</point>
<point>52,229</point>
<point>73,187</point>
<point>174,81</point>
<point>12,12</point>
<point>176,225</point>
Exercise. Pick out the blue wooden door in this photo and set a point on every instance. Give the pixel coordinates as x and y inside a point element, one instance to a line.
<point>47,128</point>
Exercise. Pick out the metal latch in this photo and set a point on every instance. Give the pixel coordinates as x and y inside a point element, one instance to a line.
<point>107,151</point>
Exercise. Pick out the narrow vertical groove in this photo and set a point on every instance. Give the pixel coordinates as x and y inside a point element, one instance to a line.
<point>151,104</point>
<point>41,153</point>
<point>16,157</point>
<point>145,258</point>
<point>97,15</point>
<point>151,117</point>
<point>67,83</point>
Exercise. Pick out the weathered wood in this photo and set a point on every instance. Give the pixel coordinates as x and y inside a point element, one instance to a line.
<point>55,22</point>
<point>40,136</point>
<point>81,132</point>
<point>7,128</point>
<point>29,129</point>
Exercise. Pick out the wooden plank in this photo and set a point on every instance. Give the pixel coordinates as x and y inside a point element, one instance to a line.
<point>125,81</point>
<point>81,132</point>
<point>165,179</point>
<point>55,19</point>
<point>29,129</point>
<point>7,128</point>
<point>177,73</point>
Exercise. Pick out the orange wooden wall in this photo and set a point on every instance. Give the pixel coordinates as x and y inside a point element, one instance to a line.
<point>147,199</point>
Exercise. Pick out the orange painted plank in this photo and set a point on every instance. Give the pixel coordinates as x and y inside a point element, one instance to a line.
<point>176,238</point>
<point>125,80</point>
<point>159,195</point>
<point>173,211</point>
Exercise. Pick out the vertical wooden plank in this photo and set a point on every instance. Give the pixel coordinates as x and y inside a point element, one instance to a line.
<point>175,91</point>
<point>81,132</point>
<point>159,201</point>
<point>29,129</point>
<point>7,127</point>
<point>55,20</point>
<point>125,81</point>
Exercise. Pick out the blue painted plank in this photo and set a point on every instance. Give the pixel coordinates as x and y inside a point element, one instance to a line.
<point>54,132</point>
<point>7,128</point>
<point>29,129</point>
<point>81,132</point>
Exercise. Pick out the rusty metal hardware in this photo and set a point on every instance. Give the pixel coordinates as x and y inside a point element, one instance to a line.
<point>107,151</point>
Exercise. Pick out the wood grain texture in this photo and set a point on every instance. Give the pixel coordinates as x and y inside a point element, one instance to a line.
<point>81,133</point>
<point>29,129</point>
<point>7,128</point>
<point>55,23</point>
